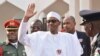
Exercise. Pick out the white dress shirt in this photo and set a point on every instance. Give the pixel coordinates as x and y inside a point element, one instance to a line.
<point>94,39</point>
<point>75,35</point>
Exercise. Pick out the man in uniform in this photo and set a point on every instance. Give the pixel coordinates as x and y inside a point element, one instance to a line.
<point>12,47</point>
<point>69,24</point>
<point>91,22</point>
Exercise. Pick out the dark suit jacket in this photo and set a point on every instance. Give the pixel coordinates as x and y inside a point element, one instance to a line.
<point>85,43</point>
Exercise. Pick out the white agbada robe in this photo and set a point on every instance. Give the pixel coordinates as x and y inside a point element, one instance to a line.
<point>47,44</point>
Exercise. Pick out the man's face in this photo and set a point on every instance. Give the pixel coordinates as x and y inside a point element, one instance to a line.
<point>53,24</point>
<point>35,28</point>
<point>68,25</point>
<point>88,29</point>
<point>12,34</point>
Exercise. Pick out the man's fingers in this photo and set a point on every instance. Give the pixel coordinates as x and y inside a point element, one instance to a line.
<point>33,6</point>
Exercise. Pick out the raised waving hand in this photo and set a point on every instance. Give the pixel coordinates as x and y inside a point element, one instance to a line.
<point>29,12</point>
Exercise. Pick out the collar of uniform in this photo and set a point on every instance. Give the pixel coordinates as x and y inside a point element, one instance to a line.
<point>94,39</point>
<point>14,43</point>
<point>7,43</point>
<point>96,35</point>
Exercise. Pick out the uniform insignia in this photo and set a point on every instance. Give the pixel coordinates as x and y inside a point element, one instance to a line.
<point>59,51</point>
<point>8,52</point>
<point>97,52</point>
<point>24,53</point>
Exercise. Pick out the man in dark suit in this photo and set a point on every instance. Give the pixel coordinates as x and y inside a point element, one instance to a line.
<point>69,26</point>
<point>91,23</point>
<point>12,47</point>
<point>36,25</point>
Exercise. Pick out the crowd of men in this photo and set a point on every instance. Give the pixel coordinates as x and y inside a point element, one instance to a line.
<point>53,42</point>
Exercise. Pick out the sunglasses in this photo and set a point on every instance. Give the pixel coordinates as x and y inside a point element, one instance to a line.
<point>36,27</point>
<point>53,21</point>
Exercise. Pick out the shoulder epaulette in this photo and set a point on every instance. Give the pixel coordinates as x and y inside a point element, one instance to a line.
<point>3,43</point>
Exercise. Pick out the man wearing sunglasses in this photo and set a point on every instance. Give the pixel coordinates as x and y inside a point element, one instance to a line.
<point>49,43</point>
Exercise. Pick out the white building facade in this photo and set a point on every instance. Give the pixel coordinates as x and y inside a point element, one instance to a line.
<point>16,8</point>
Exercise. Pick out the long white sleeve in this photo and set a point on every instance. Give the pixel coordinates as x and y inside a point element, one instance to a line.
<point>23,37</point>
<point>22,31</point>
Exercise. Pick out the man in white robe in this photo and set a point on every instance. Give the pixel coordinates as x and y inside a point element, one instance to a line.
<point>49,43</point>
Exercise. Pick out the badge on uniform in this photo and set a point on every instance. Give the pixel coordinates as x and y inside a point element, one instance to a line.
<point>97,52</point>
<point>59,51</point>
<point>24,53</point>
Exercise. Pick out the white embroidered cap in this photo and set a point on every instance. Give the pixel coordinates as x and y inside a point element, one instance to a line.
<point>53,14</point>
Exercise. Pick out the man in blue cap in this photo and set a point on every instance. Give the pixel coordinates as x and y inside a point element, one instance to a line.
<point>91,22</point>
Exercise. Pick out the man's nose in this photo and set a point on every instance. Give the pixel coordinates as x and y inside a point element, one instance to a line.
<point>12,32</point>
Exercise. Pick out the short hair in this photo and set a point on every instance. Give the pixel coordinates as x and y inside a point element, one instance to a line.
<point>37,22</point>
<point>72,17</point>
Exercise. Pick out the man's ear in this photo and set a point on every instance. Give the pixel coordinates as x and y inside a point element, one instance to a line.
<point>90,26</point>
<point>75,23</point>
